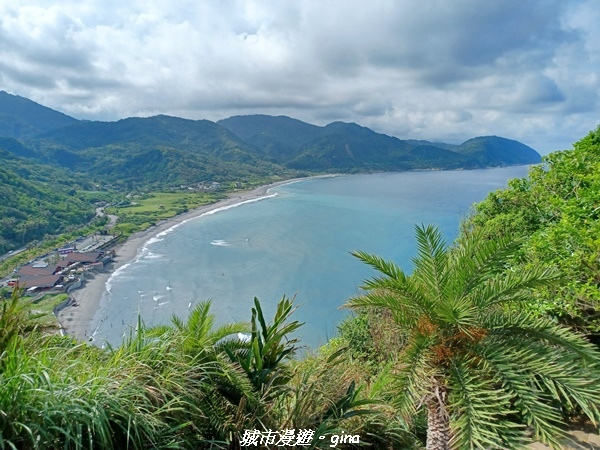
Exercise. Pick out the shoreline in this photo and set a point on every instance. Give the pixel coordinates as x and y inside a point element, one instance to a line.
<point>78,320</point>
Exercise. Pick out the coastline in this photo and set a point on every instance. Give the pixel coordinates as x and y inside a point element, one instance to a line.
<point>78,320</point>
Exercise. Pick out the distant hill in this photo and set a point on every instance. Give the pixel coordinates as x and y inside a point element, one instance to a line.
<point>279,137</point>
<point>21,118</point>
<point>155,151</point>
<point>349,147</point>
<point>163,151</point>
<point>497,151</point>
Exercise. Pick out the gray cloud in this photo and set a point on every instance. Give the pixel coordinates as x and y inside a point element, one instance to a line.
<point>428,70</point>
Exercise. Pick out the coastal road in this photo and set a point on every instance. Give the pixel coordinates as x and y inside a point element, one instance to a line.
<point>112,219</point>
<point>12,253</point>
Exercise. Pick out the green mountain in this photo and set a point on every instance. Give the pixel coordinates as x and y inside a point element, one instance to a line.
<point>279,137</point>
<point>37,200</point>
<point>348,147</point>
<point>155,151</point>
<point>351,147</point>
<point>165,151</point>
<point>497,151</point>
<point>22,118</point>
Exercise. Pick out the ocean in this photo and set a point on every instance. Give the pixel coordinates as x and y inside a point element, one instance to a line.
<point>295,241</point>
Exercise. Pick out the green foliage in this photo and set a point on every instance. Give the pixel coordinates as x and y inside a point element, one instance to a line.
<point>13,322</point>
<point>475,357</point>
<point>371,336</point>
<point>165,387</point>
<point>36,201</point>
<point>556,210</point>
<point>269,346</point>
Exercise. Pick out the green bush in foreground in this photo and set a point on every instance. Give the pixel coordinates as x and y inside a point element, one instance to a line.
<point>482,366</point>
<point>556,210</point>
<point>165,387</point>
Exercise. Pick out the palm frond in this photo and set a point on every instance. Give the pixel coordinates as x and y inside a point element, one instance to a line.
<point>512,286</point>
<point>478,258</point>
<point>405,310</point>
<point>532,405</point>
<point>414,375</point>
<point>388,268</point>
<point>458,312</point>
<point>431,260</point>
<point>479,410</point>
<point>529,327</point>
<point>394,291</point>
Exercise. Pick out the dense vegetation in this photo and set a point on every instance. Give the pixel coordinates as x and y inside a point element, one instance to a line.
<point>472,346</point>
<point>37,201</point>
<point>188,385</point>
<point>556,210</point>
<point>486,343</point>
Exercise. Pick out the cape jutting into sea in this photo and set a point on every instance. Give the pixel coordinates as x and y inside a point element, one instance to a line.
<point>296,241</point>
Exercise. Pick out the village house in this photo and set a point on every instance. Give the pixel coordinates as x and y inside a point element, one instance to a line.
<point>41,275</point>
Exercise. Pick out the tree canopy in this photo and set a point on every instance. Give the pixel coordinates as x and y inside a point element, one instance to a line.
<point>556,210</point>
<point>476,358</point>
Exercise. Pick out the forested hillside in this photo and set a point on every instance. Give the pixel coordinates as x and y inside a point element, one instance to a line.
<point>22,118</point>
<point>158,152</point>
<point>556,210</point>
<point>37,200</point>
<point>349,147</point>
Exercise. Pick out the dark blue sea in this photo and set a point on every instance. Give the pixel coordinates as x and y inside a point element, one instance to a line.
<point>296,241</point>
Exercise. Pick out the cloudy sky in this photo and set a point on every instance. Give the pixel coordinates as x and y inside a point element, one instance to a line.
<point>425,69</point>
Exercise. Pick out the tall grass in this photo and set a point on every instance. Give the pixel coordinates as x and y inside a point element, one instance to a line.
<point>168,387</point>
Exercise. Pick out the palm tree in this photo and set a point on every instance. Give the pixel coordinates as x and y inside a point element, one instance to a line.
<point>484,366</point>
<point>198,334</point>
<point>229,400</point>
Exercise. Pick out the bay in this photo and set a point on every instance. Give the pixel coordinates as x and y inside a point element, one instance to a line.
<point>295,242</point>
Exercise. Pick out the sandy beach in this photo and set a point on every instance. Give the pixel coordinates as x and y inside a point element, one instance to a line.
<point>78,320</point>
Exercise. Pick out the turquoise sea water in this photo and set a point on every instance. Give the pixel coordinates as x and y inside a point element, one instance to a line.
<point>295,241</point>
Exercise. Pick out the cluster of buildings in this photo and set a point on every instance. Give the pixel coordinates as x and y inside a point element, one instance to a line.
<point>42,275</point>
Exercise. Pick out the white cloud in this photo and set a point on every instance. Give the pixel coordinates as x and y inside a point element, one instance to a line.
<point>429,70</point>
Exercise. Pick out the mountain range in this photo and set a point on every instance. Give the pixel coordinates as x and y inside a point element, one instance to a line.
<point>45,151</point>
<point>163,150</point>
